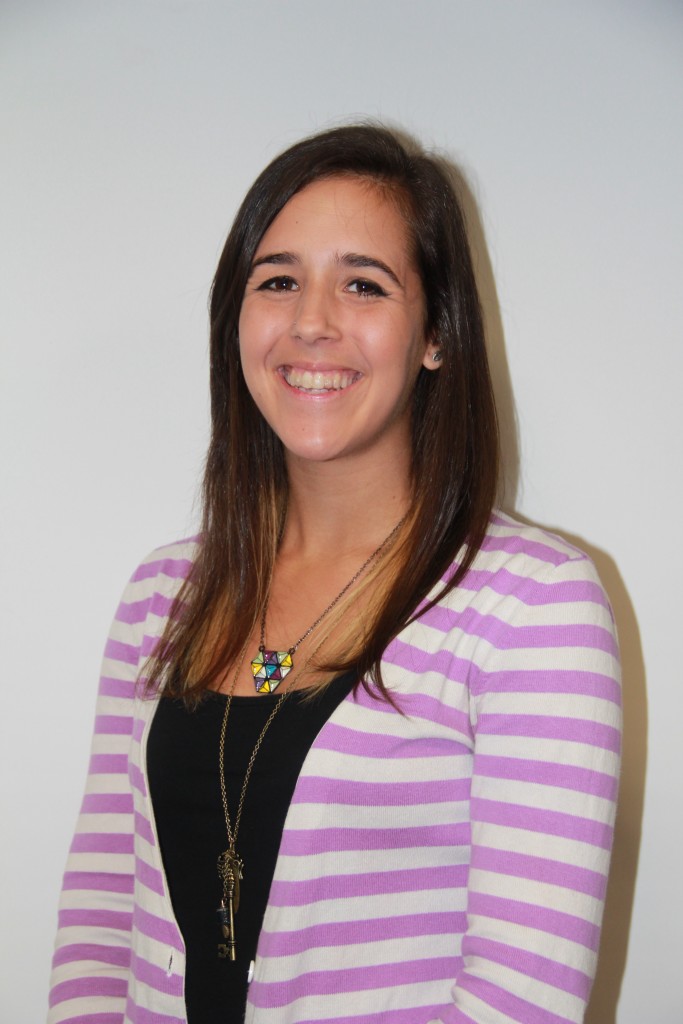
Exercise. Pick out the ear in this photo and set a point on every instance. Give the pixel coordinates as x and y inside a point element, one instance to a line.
<point>432,357</point>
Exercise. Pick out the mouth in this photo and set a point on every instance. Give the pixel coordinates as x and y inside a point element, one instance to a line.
<point>319,382</point>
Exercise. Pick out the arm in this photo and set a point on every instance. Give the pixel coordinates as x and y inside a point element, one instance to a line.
<point>546,719</point>
<point>93,947</point>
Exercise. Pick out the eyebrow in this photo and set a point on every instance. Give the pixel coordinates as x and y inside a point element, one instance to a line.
<point>354,259</point>
<point>277,258</point>
<point>347,259</point>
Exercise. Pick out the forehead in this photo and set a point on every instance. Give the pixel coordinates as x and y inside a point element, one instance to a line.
<point>347,207</point>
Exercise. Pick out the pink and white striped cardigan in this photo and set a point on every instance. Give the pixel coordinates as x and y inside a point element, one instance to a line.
<point>445,864</point>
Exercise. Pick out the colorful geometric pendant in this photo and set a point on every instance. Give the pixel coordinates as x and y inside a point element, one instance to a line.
<point>270,668</point>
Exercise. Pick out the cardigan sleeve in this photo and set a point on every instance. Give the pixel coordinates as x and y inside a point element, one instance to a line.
<point>546,721</point>
<point>92,955</point>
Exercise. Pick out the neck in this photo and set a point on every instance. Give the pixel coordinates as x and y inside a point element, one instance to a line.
<point>334,507</point>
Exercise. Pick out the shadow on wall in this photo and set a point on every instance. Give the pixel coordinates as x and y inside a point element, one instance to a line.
<point>622,881</point>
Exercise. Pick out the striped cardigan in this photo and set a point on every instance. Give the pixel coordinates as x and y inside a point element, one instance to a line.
<point>444,864</point>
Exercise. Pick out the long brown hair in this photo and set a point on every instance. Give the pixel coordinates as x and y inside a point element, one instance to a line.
<point>454,427</point>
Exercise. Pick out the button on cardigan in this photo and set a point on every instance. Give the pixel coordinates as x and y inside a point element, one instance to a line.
<point>445,861</point>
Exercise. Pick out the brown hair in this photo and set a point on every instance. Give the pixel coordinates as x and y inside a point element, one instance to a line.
<point>454,426</point>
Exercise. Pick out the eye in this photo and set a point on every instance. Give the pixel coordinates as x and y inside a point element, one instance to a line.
<point>277,284</point>
<point>368,289</point>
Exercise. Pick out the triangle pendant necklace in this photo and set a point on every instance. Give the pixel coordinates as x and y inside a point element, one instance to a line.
<point>270,667</point>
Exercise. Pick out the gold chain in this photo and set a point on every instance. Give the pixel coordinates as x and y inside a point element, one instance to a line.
<point>232,831</point>
<point>375,554</point>
<point>229,863</point>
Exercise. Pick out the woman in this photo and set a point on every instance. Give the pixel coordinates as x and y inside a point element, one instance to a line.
<point>379,782</point>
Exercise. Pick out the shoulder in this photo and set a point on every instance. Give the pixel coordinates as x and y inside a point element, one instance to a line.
<point>171,562</point>
<point>527,548</point>
<point>145,606</point>
<point>533,565</point>
<point>155,583</point>
<point>530,612</point>
<point>524,575</point>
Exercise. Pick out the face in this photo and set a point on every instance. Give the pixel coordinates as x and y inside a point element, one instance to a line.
<point>332,325</point>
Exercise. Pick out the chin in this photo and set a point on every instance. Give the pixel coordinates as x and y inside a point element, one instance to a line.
<point>313,453</point>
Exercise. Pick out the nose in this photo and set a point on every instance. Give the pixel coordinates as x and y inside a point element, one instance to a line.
<point>316,314</point>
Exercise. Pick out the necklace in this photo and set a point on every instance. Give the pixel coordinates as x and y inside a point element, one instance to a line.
<point>269,667</point>
<point>230,865</point>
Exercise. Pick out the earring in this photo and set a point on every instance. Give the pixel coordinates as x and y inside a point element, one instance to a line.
<point>437,356</point>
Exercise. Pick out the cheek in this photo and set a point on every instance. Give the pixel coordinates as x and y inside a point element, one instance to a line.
<point>258,330</point>
<point>244,330</point>
<point>248,353</point>
<point>251,336</point>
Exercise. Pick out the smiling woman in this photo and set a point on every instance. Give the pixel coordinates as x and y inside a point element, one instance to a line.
<point>331,358</point>
<point>356,749</point>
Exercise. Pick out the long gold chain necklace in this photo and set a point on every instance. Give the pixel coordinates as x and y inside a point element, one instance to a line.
<point>274,666</point>
<point>230,865</point>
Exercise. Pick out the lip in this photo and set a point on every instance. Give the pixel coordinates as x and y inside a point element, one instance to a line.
<point>319,380</point>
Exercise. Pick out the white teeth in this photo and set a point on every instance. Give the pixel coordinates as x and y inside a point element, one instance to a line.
<point>318,381</point>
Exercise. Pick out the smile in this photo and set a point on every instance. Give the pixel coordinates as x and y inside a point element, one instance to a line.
<point>319,382</point>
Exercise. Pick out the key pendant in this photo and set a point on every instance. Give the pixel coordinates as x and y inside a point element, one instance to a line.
<point>226,918</point>
<point>230,872</point>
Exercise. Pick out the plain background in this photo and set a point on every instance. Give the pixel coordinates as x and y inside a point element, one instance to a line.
<point>130,130</point>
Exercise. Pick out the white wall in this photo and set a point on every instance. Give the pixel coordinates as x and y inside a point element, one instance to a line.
<point>129,132</point>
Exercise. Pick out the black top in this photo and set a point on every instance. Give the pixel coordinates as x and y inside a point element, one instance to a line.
<point>182,762</point>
